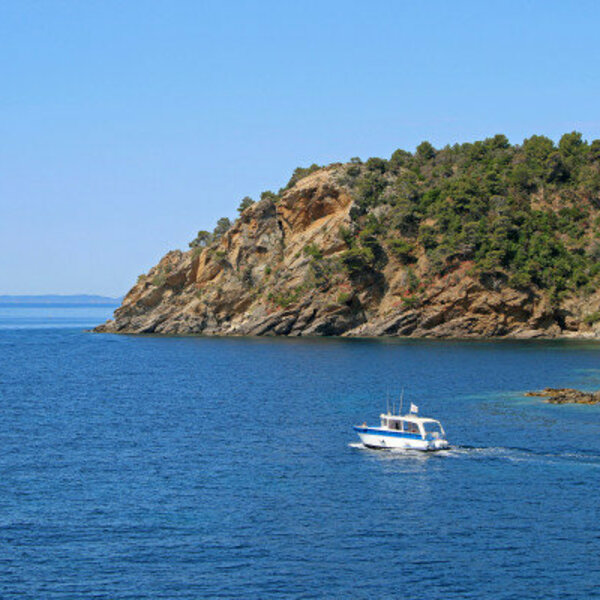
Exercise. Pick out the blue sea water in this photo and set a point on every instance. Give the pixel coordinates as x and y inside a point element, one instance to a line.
<point>148,467</point>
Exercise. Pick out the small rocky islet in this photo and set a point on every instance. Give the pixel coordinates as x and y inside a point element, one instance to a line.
<point>476,240</point>
<point>567,396</point>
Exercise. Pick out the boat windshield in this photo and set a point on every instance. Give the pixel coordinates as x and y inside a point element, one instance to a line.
<point>433,427</point>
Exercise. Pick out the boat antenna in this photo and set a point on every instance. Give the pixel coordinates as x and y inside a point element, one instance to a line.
<point>401,401</point>
<point>387,400</point>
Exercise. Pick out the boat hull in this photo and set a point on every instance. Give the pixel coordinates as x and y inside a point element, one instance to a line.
<point>381,439</point>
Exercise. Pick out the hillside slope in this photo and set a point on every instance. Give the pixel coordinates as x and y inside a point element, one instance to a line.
<point>477,240</point>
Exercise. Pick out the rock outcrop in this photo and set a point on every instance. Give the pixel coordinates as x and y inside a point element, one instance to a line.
<point>280,270</point>
<point>567,396</point>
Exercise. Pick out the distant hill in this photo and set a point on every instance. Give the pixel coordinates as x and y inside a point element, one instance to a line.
<point>59,299</point>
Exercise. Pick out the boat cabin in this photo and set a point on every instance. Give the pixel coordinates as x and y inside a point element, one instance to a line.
<point>411,424</point>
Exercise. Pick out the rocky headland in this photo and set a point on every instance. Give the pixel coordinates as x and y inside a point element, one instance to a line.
<point>416,246</point>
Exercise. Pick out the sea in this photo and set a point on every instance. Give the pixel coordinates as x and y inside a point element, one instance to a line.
<point>142,467</point>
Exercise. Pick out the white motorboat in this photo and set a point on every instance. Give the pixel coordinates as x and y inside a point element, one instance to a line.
<point>407,431</point>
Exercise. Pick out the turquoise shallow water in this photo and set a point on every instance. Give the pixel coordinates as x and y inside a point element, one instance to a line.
<point>146,467</point>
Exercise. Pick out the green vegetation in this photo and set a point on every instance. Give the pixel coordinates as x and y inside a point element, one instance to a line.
<point>204,238</point>
<point>222,227</point>
<point>402,249</point>
<point>524,212</point>
<point>300,173</point>
<point>365,252</point>
<point>592,318</point>
<point>413,281</point>
<point>410,302</point>
<point>287,298</point>
<point>269,195</point>
<point>159,279</point>
<point>160,276</point>
<point>344,297</point>
<point>246,202</point>
<point>324,272</point>
<point>313,251</point>
<point>357,260</point>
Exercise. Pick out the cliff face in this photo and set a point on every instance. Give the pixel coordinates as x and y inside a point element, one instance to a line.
<point>282,270</point>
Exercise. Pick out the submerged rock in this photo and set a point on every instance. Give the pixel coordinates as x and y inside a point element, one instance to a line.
<point>567,396</point>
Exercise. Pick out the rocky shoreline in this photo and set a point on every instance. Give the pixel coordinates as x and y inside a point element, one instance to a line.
<point>567,396</point>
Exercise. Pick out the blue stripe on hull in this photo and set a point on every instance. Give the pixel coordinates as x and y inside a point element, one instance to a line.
<point>387,433</point>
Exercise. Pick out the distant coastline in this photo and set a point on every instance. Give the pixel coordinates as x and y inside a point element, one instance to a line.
<point>58,299</point>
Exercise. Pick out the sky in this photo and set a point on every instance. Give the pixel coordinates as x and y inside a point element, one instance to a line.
<point>125,127</point>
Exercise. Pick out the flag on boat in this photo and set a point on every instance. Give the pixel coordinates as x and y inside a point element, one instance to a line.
<point>414,408</point>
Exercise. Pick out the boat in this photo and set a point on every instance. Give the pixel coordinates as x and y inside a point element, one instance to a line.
<point>408,431</point>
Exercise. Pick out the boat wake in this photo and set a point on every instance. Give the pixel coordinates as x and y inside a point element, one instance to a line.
<point>502,453</point>
<point>400,452</point>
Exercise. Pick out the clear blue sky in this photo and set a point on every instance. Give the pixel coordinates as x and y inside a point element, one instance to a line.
<point>127,126</point>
